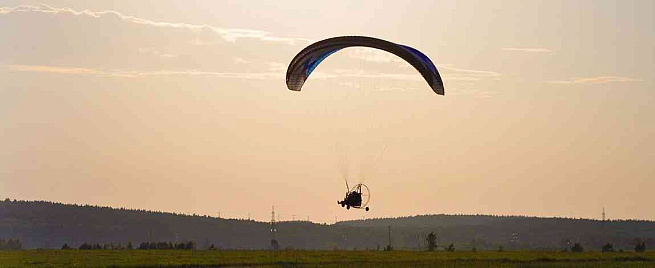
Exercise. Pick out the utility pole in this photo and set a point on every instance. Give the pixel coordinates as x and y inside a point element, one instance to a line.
<point>603,226</point>
<point>389,246</point>
<point>273,225</point>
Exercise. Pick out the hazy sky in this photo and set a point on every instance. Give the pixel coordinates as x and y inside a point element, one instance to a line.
<point>182,106</point>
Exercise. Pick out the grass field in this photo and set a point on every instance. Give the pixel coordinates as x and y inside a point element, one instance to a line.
<point>186,258</point>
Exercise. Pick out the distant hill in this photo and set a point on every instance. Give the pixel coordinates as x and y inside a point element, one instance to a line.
<point>40,224</point>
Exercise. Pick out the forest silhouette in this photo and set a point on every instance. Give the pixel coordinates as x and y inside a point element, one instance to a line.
<point>41,224</point>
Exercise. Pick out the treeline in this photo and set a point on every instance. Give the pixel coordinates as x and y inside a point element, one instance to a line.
<point>96,207</point>
<point>41,224</point>
<point>577,247</point>
<point>169,245</point>
<point>145,245</point>
<point>107,208</point>
<point>516,232</point>
<point>10,244</point>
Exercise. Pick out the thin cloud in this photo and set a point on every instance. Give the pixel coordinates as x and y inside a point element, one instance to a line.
<point>198,42</point>
<point>230,35</point>
<point>241,60</point>
<point>468,71</point>
<point>132,73</point>
<point>155,53</point>
<point>357,73</point>
<point>260,75</point>
<point>595,80</point>
<point>62,70</point>
<point>530,49</point>
<point>450,72</point>
<point>383,88</point>
<point>465,85</point>
<point>373,55</point>
<point>277,67</point>
<point>452,90</point>
<point>469,91</point>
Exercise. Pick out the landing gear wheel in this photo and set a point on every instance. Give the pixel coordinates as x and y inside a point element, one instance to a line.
<point>348,207</point>
<point>366,208</point>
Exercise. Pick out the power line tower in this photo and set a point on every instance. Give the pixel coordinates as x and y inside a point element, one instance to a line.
<point>274,244</point>
<point>389,247</point>
<point>273,224</point>
<point>602,227</point>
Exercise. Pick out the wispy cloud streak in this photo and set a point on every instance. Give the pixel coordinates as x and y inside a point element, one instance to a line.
<point>57,70</point>
<point>373,55</point>
<point>132,74</point>
<point>530,50</point>
<point>469,71</point>
<point>275,70</point>
<point>594,80</point>
<point>230,35</point>
<point>449,72</point>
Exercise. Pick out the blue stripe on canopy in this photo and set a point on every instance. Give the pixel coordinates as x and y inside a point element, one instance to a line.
<point>425,58</point>
<point>312,64</point>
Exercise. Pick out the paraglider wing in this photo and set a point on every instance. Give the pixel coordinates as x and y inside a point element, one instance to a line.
<point>309,58</point>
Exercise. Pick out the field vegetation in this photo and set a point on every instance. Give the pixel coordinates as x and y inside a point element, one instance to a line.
<point>303,258</point>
